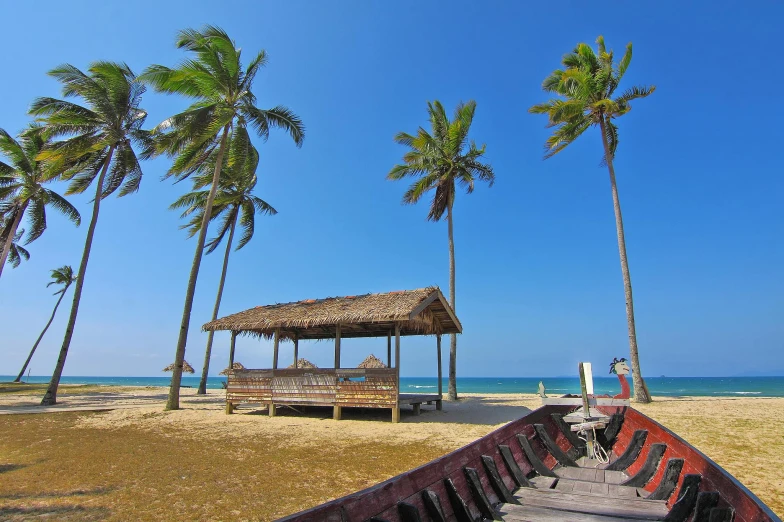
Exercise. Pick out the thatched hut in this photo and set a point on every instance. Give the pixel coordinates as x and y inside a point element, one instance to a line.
<point>390,315</point>
<point>371,361</point>
<point>302,363</point>
<point>186,367</point>
<point>234,366</point>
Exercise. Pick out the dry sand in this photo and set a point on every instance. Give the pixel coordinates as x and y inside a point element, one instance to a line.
<point>730,430</point>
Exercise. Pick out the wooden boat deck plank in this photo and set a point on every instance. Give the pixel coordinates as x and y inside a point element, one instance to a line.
<point>542,482</point>
<point>593,504</point>
<point>518,513</point>
<point>591,475</point>
<point>598,488</point>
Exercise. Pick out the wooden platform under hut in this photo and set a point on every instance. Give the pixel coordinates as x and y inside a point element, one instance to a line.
<point>393,315</point>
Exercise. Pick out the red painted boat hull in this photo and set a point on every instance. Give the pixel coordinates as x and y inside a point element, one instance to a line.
<point>382,500</point>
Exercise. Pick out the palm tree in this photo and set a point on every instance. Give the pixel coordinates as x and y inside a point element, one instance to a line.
<point>235,202</point>
<point>61,276</point>
<point>224,105</point>
<point>439,160</point>
<point>17,251</point>
<point>22,190</point>
<point>98,138</point>
<point>585,90</point>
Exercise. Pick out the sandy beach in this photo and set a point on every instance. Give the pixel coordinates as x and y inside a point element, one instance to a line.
<point>267,467</point>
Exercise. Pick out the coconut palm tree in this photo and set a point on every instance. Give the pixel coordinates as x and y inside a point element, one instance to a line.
<point>439,160</point>
<point>235,202</point>
<point>17,251</point>
<point>98,140</point>
<point>22,190</point>
<point>224,105</point>
<point>61,276</point>
<point>585,90</point>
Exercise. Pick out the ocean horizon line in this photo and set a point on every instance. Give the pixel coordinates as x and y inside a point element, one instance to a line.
<point>751,386</point>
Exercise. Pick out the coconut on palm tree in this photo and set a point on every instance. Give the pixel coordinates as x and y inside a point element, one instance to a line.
<point>22,191</point>
<point>236,203</point>
<point>439,160</point>
<point>224,105</point>
<point>65,277</point>
<point>97,146</point>
<point>586,97</point>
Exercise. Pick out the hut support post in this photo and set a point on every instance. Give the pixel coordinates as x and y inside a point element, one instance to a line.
<point>276,345</point>
<point>337,347</point>
<point>337,410</point>
<point>440,384</point>
<point>396,409</point>
<point>296,351</point>
<point>230,406</point>
<point>389,349</point>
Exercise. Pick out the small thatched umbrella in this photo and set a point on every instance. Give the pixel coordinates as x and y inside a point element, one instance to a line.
<point>303,363</point>
<point>371,361</point>
<point>235,366</point>
<point>186,367</point>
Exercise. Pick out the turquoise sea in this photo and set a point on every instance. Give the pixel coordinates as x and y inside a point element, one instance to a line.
<point>661,386</point>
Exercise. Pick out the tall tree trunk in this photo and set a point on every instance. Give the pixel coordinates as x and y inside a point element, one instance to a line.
<point>641,393</point>
<point>203,383</point>
<point>8,236</point>
<point>37,341</point>
<point>173,402</point>
<point>452,388</point>
<point>50,397</point>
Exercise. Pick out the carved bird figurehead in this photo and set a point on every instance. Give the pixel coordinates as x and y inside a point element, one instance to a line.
<point>619,366</point>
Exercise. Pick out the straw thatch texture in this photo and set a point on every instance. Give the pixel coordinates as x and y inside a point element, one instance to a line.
<point>417,312</point>
<point>235,366</point>
<point>303,363</point>
<point>371,361</point>
<point>186,367</point>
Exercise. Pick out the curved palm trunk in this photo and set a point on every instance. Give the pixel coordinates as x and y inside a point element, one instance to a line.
<point>50,397</point>
<point>452,388</point>
<point>9,236</point>
<point>173,402</point>
<point>37,341</point>
<point>641,393</point>
<point>203,383</point>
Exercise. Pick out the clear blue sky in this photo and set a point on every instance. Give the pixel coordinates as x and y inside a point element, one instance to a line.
<point>539,285</point>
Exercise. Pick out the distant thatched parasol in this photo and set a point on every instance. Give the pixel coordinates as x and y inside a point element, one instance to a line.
<point>303,363</point>
<point>371,361</point>
<point>235,366</point>
<point>186,367</point>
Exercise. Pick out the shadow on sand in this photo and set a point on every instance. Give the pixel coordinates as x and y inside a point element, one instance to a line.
<point>470,410</point>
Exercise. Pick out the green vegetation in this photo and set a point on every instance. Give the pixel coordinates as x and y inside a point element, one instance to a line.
<point>65,277</point>
<point>439,160</point>
<point>22,192</point>
<point>98,144</point>
<point>585,88</point>
<point>235,202</point>
<point>216,122</point>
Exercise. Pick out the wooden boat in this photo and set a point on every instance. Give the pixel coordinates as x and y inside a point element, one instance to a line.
<point>536,469</point>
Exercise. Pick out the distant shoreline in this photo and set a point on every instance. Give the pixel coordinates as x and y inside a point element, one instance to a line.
<point>658,386</point>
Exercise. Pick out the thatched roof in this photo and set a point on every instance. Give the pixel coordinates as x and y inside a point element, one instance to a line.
<point>371,361</point>
<point>418,312</point>
<point>186,367</point>
<point>303,363</point>
<point>235,366</point>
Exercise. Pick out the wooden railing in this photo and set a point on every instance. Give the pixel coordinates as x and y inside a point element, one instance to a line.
<point>359,387</point>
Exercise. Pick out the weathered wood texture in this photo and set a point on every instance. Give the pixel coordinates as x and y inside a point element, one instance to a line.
<point>747,506</point>
<point>354,387</point>
<point>459,491</point>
